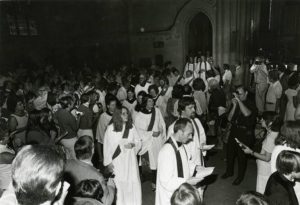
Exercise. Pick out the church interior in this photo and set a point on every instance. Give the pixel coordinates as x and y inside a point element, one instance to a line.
<point>228,56</point>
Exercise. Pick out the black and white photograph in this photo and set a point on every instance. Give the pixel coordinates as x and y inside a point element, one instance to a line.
<point>149,102</point>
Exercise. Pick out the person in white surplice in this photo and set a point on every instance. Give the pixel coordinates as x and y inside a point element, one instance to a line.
<point>121,145</point>
<point>186,109</point>
<point>151,127</point>
<point>173,166</point>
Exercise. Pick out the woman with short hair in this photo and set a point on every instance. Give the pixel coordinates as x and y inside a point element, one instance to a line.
<point>280,186</point>
<point>271,123</point>
<point>287,140</point>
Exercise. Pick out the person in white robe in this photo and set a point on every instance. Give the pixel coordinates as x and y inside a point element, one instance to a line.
<point>151,127</point>
<point>142,86</point>
<point>173,166</point>
<point>130,102</point>
<point>186,108</point>
<point>139,101</point>
<point>121,145</point>
<point>189,66</point>
<point>105,118</point>
<point>202,67</point>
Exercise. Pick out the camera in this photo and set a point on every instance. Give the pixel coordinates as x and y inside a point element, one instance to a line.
<point>257,62</point>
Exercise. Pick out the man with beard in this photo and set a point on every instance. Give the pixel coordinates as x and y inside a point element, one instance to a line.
<point>173,162</point>
<point>186,109</point>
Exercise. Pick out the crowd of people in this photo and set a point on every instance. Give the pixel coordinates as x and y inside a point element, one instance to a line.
<point>89,136</point>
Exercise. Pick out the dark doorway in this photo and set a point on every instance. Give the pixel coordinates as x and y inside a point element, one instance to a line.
<point>200,35</point>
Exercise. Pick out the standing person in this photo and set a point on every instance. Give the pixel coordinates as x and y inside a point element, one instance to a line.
<point>105,118</point>
<point>186,109</point>
<point>173,162</point>
<point>290,95</point>
<point>18,120</point>
<point>139,104</point>
<point>216,111</point>
<point>121,145</point>
<point>261,80</point>
<point>151,127</point>
<point>227,82</point>
<point>242,116</point>
<point>189,66</point>
<point>287,140</point>
<point>297,112</point>
<point>274,92</point>
<point>238,74</point>
<point>272,125</point>
<point>280,186</point>
<point>143,84</point>
<point>130,102</point>
<point>200,95</point>
<point>86,117</point>
<point>172,114</point>
<point>37,177</point>
<point>122,91</point>
<point>67,123</point>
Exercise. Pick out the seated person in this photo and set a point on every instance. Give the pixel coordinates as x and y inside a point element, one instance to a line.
<point>82,168</point>
<point>186,194</point>
<point>6,157</point>
<point>37,177</point>
<point>91,191</point>
<point>252,198</point>
<point>280,186</point>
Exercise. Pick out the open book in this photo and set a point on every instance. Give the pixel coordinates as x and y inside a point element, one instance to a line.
<point>204,172</point>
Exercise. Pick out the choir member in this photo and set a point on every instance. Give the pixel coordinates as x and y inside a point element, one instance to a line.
<point>121,145</point>
<point>151,127</point>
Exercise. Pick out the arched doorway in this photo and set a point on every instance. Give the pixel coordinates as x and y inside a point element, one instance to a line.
<point>200,36</point>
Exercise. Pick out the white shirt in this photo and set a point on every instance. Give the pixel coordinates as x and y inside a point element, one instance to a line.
<point>227,76</point>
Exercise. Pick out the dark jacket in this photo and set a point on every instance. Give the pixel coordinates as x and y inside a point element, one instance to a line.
<point>280,191</point>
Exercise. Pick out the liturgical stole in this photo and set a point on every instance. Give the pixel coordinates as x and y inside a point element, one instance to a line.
<point>178,158</point>
<point>198,132</point>
<point>152,120</point>
<point>118,150</point>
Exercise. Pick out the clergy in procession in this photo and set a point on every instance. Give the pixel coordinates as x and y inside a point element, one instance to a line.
<point>121,145</point>
<point>143,85</point>
<point>186,109</point>
<point>151,127</point>
<point>202,67</point>
<point>173,162</point>
<point>130,102</point>
<point>189,66</point>
<point>111,103</point>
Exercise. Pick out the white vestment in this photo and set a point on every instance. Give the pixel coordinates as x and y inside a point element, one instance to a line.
<point>161,102</point>
<point>151,144</point>
<point>129,106</point>
<point>138,88</point>
<point>167,172</point>
<point>102,125</point>
<point>193,147</point>
<point>127,178</point>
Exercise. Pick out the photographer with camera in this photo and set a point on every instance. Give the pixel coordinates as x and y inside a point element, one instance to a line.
<point>259,69</point>
<point>242,116</point>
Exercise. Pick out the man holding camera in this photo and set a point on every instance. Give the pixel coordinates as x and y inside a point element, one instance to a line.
<point>242,117</point>
<point>261,82</point>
